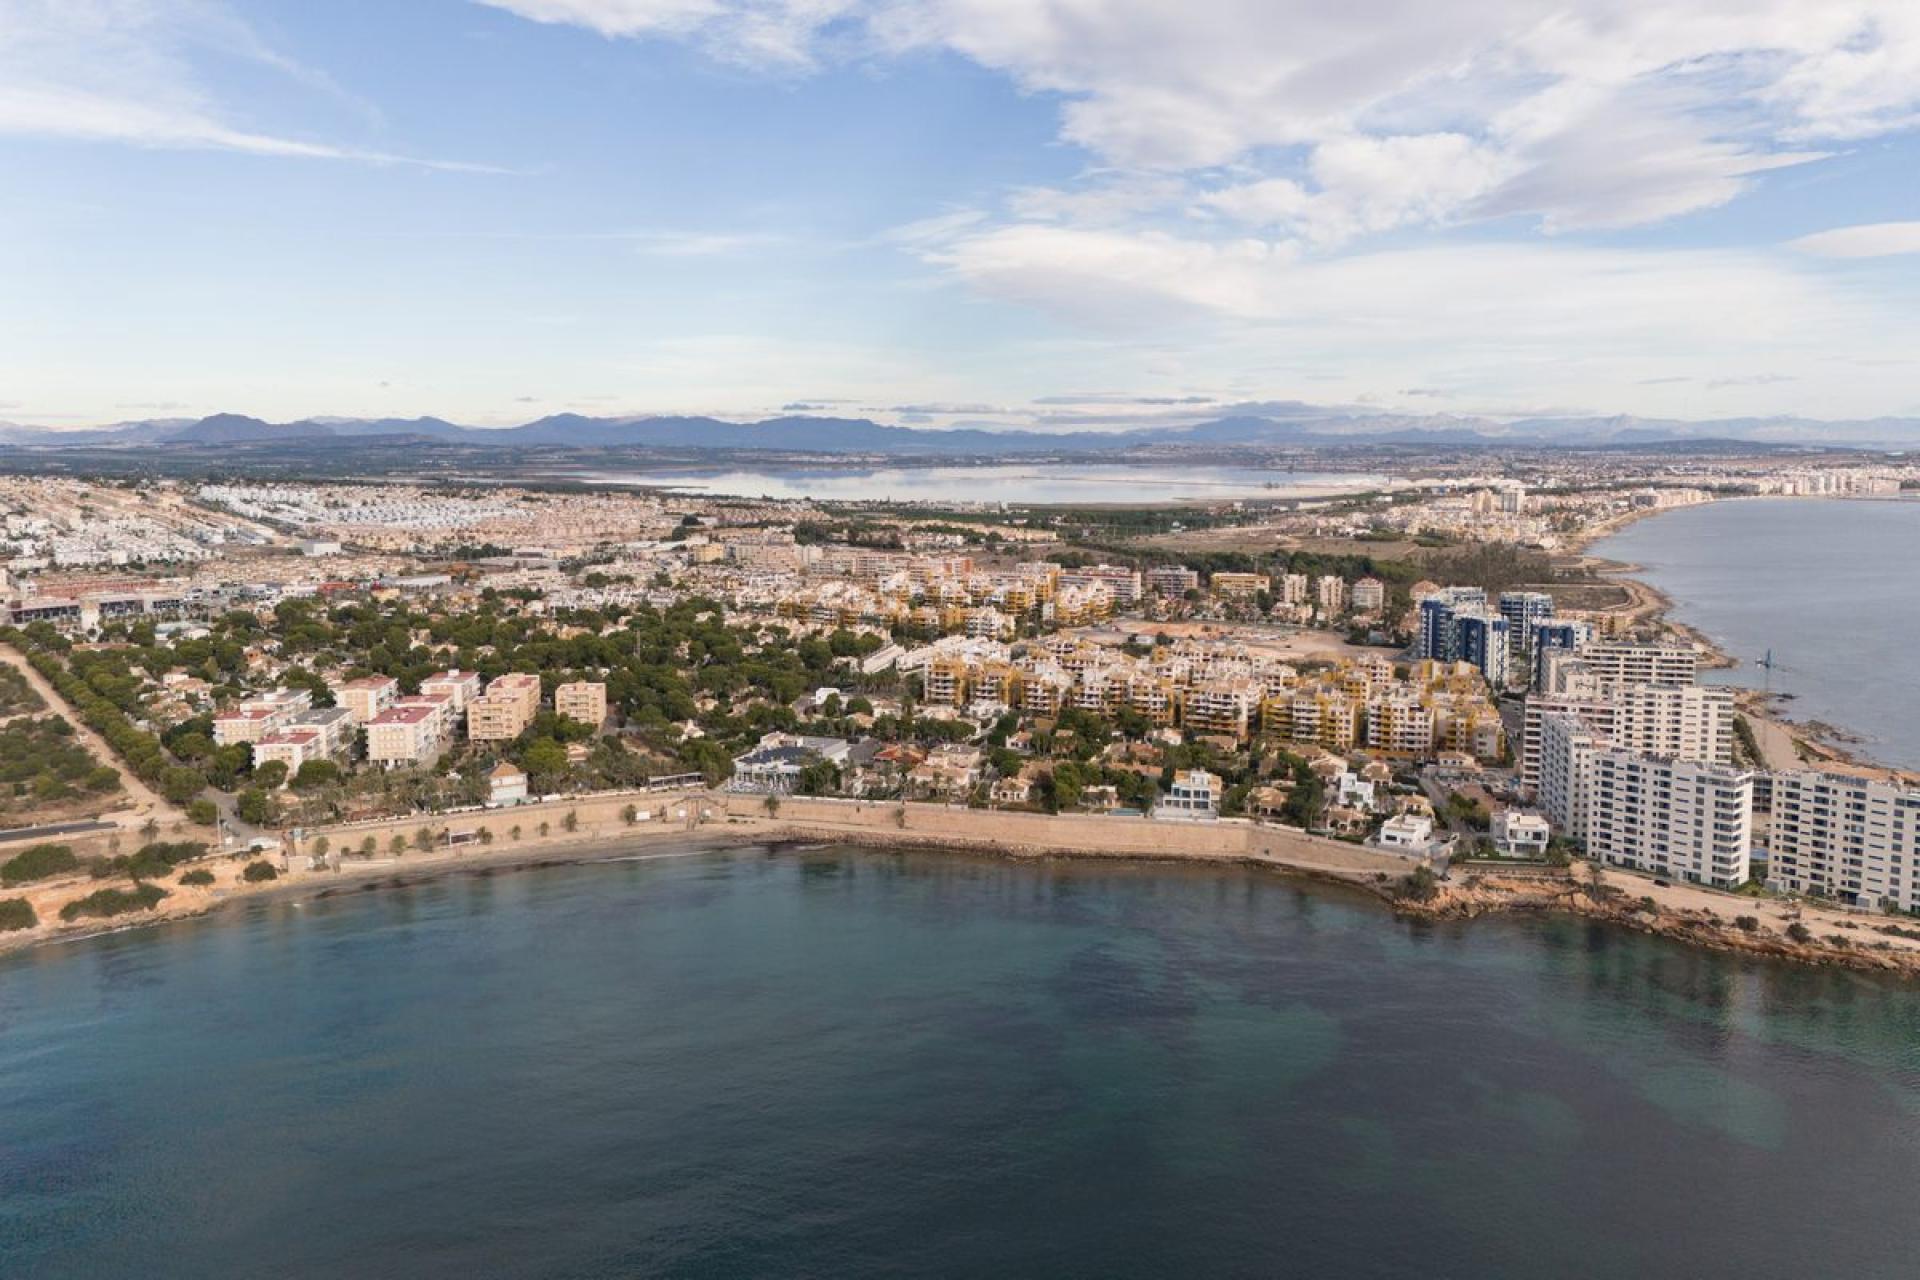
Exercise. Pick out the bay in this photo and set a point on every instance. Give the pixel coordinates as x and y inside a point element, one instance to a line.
<point>838,1062</point>
<point>1830,586</point>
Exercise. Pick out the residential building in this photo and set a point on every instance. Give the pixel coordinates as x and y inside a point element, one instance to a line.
<point>1520,834</point>
<point>365,697</point>
<point>1227,583</point>
<point>291,747</point>
<point>1480,637</point>
<point>1437,637</point>
<point>1843,836</point>
<point>775,764</point>
<point>1564,634</point>
<point>1409,834</point>
<point>1680,722</point>
<point>1605,665</point>
<point>1524,611</point>
<point>1195,794</point>
<point>461,687</point>
<point>1171,581</point>
<point>505,710</point>
<point>1676,818</point>
<point>403,736</point>
<point>582,700</point>
<point>1594,714</point>
<point>1565,773</point>
<point>1369,595</point>
<point>1331,591</point>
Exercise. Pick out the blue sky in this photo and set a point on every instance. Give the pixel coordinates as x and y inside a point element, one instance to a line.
<point>1026,212</point>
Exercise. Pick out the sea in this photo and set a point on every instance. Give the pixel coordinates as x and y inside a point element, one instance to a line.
<point>1016,483</point>
<point>834,1062</point>
<point>1829,587</point>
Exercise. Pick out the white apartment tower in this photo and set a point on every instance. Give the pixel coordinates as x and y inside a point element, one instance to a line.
<point>1852,838</point>
<point>1676,818</point>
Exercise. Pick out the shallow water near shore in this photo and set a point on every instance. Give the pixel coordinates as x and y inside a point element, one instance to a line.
<point>1832,587</point>
<point>840,1062</point>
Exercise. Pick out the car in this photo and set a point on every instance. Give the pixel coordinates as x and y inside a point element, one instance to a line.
<point>1664,884</point>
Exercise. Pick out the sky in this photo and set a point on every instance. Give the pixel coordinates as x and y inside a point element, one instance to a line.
<point>1023,213</point>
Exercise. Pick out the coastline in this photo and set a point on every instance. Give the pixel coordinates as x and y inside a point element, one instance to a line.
<point>1785,744</point>
<point>1684,913</point>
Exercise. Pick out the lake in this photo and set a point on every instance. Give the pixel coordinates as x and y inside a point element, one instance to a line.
<point>1831,586</point>
<point>841,1063</point>
<point>1033,483</point>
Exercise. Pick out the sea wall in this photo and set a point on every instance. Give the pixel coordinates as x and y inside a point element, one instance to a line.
<point>1066,834</point>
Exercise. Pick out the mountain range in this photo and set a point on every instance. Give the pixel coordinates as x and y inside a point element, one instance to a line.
<point>1301,425</point>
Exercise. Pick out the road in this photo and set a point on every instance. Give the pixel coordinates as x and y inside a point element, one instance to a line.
<point>146,802</point>
<point>55,829</point>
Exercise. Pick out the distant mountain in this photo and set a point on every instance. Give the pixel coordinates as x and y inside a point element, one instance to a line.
<point>1275,426</point>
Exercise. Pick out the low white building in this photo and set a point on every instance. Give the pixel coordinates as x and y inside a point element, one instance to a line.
<point>1410,834</point>
<point>1195,794</point>
<point>1520,834</point>
<point>506,784</point>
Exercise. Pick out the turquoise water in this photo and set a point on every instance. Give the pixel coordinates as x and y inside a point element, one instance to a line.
<point>1832,587</point>
<point>842,1063</point>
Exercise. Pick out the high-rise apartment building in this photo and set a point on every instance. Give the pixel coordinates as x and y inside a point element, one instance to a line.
<point>1847,837</point>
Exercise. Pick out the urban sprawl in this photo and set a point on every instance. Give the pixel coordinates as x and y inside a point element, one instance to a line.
<point>1431,669</point>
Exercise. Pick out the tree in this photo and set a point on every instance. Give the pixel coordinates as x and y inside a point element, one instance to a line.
<point>423,839</point>
<point>771,804</point>
<point>630,815</point>
<point>571,822</point>
<point>254,806</point>
<point>203,812</point>
<point>368,847</point>
<point>179,784</point>
<point>314,774</point>
<point>546,764</point>
<point>485,835</point>
<point>397,845</point>
<point>514,831</point>
<point>321,846</point>
<point>271,774</point>
<point>150,830</point>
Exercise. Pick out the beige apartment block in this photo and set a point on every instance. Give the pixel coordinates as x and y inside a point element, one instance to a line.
<point>582,700</point>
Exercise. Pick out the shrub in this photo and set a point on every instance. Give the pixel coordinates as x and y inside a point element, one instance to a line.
<point>16,913</point>
<point>157,859</point>
<point>199,876</point>
<point>102,903</point>
<point>1421,886</point>
<point>37,863</point>
<point>259,872</point>
<point>1749,923</point>
<point>1797,932</point>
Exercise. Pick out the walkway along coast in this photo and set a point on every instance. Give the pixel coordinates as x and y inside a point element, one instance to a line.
<point>594,827</point>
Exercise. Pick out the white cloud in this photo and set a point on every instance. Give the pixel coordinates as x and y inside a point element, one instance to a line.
<point>122,71</point>
<point>754,32</point>
<point>1869,240</point>
<point>1350,119</point>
